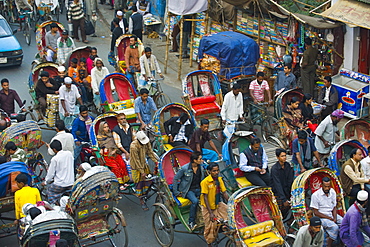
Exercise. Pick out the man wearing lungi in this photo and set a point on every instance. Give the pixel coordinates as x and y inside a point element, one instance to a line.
<point>60,176</point>
<point>139,149</point>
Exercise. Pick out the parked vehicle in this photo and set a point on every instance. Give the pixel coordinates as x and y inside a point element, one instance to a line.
<point>11,52</point>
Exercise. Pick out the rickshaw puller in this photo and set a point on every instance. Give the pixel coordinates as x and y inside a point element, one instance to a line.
<point>311,235</point>
<point>144,106</point>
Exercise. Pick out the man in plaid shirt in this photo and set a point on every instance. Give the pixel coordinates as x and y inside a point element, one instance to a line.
<point>65,45</point>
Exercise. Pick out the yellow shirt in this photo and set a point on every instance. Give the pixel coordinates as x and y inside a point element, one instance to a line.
<point>25,195</point>
<point>208,187</point>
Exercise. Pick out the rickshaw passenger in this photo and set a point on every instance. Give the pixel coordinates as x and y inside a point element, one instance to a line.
<point>324,205</point>
<point>325,133</point>
<point>90,59</point>
<point>179,130</point>
<point>75,75</point>
<point>304,150</point>
<point>15,153</point>
<point>253,162</point>
<point>282,177</point>
<point>293,117</point>
<point>66,138</point>
<point>51,38</point>
<point>329,97</point>
<point>355,222</point>
<point>306,108</point>
<point>98,73</point>
<point>109,150</point>
<point>186,184</point>
<point>285,80</point>
<point>365,164</point>
<point>25,194</point>
<point>132,56</point>
<point>199,138</point>
<point>144,106</point>
<point>232,108</point>
<point>140,148</point>
<point>59,79</point>
<point>80,129</point>
<point>149,67</point>
<point>311,235</point>
<point>45,85</point>
<point>60,174</point>
<point>123,135</point>
<point>68,95</point>
<point>352,175</point>
<point>212,189</point>
<point>65,46</point>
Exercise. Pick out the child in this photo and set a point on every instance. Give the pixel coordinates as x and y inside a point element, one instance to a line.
<point>85,79</point>
<point>14,153</point>
<point>73,71</point>
<point>25,194</point>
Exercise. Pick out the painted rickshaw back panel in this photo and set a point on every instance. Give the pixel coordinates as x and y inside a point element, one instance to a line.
<point>123,101</point>
<point>305,185</point>
<point>40,37</point>
<point>254,214</point>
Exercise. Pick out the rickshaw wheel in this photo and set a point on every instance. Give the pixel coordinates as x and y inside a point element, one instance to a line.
<point>162,227</point>
<point>289,241</point>
<point>119,238</point>
<point>30,116</point>
<point>230,243</point>
<point>269,128</point>
<point>161,100</point>
<point>40,169</point>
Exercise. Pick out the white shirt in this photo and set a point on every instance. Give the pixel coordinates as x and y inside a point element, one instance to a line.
<point>97,76</point>
<point>232,108</point>
<point>243,162</point>
<point>327,130</point>
<point>181,135</point>
<point>155,66</point>
<point>61,169</point>
<point>327,93</point>
<point>325,204</point>
<point>69,97</point>
<point>122,26</point>
<point>365,164</point>
<point>67,140</point>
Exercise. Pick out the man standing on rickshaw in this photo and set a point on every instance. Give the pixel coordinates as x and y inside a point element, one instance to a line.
<point>303,150</point>
<point>186,184</point>
<point>282,177</point>
<point>324,205</point>
<point>232,108</point>
<point>253,162</point>
<point>325,133</point>
<point>213,209</point>
<point>139,149</point>
<point>199,138</point>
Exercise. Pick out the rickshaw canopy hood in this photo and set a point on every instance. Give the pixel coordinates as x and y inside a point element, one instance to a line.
<point>237,53</point>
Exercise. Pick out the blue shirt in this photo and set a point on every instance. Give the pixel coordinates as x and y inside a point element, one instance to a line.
<point>283,81</point>
<point>79,125</point>
<point>145,110</point>
<point>304,147</point>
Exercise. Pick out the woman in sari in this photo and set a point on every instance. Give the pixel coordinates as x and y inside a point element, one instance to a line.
<point>293,117</point>
<point>110,151</point>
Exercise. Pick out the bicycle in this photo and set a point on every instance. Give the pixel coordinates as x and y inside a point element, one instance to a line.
<point>25,17</point>
<point>269,124</point>
<point>156,92</point>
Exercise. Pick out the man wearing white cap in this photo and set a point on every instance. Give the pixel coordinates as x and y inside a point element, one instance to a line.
<point>123,22</point>
<point>140,148</point>
<point>59,79</point>
<point>354,221</point>
<point>68,94</point>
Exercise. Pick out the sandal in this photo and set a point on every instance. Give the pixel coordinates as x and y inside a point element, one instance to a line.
<point>144,206</point>
<point>85,41</point>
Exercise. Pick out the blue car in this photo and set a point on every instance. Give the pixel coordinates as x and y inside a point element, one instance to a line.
<point>10,50</point>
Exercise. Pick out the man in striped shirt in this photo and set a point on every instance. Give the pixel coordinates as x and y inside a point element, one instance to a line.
<point>76,16</point>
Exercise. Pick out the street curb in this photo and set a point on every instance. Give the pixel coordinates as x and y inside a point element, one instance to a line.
<point>102,17</point>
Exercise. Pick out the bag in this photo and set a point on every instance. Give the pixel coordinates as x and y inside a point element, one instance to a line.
<point>89,27</point>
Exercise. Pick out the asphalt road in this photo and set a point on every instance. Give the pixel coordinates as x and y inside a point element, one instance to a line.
<point>139,223</point>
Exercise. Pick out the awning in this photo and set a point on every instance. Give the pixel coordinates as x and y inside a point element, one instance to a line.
<point>187,7</point>
<point>319,23</point>
<point>350,12</point>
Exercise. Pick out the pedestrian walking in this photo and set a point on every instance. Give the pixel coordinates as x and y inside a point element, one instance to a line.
<point>76,16</point>
<point>136,23</point>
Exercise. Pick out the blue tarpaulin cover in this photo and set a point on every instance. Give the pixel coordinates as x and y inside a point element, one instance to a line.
<point>6,169</point>
<point>237,53</point>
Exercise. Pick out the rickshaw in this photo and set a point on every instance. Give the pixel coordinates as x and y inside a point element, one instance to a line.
<point>202,94</point>
<point>8,173</point>
<point>160,143</point>
<point>79,52</point>
<point>255,218</point>
<point>27,136</point>
<point>357,129</point>
<point>340,153</point>
<point>169,209</point>
<point>122,100</point>
<point>92,205</point>
<point>48,227</point>
<point>305,185</point>
<point>283,99</point>
<point>41,31</point>
<point>52,111</point>
<point>46,8</point>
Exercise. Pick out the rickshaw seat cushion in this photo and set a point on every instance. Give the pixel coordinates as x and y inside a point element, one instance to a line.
<point>182,202</point>
<point>243,182</point>
<point>203,100</point>
<point>256,229</point>
<point>205,105</point>
<point>265,239</point>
